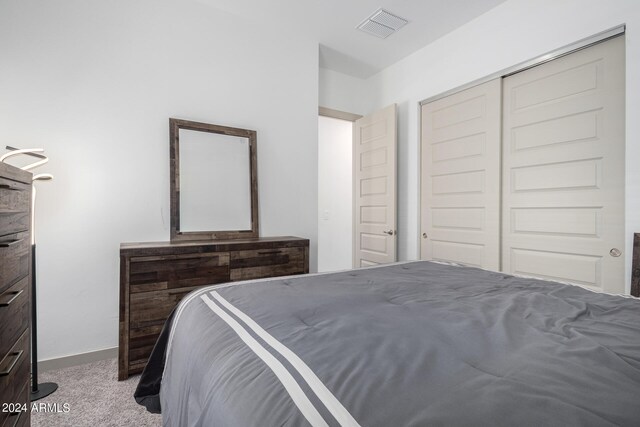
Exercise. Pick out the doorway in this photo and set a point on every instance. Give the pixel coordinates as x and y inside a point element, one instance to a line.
<point>335,194</point>
<point>356,189</point>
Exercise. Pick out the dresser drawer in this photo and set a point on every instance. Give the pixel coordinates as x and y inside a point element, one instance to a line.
<point>22,417</point>
<point>156,286</point>
<point>260,263</point>
<point>14,314</point>
<point>177,271</point>
<point>152,308</point>
<point>154,277</point>
<point>14,369</point>
<point>147,313</point>
<point>24,420</point>
<point>14,258</point>
<point>15,207</point>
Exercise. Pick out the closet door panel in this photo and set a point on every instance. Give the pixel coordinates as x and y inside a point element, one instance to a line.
<point>460,177</point>
<point>563,169</point>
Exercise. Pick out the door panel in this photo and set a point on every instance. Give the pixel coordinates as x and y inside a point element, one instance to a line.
<point>374,157</point>
<point>460,181</point>
<point>563,168</point>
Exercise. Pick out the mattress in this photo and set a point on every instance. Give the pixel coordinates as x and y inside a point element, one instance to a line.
<point>408,344</point>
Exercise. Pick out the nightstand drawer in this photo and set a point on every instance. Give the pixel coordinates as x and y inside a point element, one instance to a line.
<point>14,368</point>
<point>255,264</point>
<point>14,314</point>
<point>14,258</point>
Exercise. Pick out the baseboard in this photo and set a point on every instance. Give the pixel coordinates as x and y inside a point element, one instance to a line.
<point>77,359</point>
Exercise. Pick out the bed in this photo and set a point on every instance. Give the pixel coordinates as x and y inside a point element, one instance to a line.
<point>407,344</point>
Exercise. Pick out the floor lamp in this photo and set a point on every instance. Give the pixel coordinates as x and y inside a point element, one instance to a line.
<point>38,391</point>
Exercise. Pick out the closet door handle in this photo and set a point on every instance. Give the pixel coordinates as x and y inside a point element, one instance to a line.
<point>16,356</point>
<point>10,300</point>
<point>11,243</point>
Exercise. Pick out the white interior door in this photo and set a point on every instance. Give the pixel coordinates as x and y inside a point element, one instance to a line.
<point>563,169</point>
<point>374,190</point>
<point>460,177</point>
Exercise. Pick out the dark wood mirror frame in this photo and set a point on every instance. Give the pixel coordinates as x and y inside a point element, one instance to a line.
<point>176,235</point>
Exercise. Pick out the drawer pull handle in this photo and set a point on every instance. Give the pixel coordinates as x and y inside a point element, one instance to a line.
<point>11,243</point>
<point>16,356</point>
<point>270,252</point>
<point>10,300</point>
<point>9,187</point>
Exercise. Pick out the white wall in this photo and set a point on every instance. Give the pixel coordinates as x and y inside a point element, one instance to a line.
<point>94,83</point>
<point>513,32</point>
<point>335,202</point>
<point>341,92</point>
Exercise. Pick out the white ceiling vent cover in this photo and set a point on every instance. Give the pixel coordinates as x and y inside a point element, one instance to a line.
<point>382,24</point>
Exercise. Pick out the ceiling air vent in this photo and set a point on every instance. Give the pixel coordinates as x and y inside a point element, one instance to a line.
<point>382,24</point>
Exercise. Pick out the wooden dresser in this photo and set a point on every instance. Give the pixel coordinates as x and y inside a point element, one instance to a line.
<point>154,277</point>
<point>15,299</point>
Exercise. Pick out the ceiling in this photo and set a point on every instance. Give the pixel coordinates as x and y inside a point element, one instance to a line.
<point>350,51</point>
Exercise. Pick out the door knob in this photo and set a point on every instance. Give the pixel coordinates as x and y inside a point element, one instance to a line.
<point>615,252</point>
<point>389,232</point>
<point>424,235</point>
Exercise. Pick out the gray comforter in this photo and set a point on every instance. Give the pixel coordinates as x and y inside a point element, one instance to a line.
<point>413,344</point>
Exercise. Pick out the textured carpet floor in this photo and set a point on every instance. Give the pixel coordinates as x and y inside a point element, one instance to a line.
<point>95,398</point>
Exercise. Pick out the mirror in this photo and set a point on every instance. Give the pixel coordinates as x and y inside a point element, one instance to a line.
<point>214,191</point>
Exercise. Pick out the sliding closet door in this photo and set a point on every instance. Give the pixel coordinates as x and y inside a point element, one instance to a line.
<point>460,177</point>
<point>563,169</point>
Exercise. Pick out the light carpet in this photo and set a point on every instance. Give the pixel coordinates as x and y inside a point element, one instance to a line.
<point>95,397</point>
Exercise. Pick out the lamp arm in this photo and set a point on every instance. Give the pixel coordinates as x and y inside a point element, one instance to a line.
<point>20,151</point>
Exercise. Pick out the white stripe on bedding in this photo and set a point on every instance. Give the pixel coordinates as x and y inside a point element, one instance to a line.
<point>297,395</point>
<point>324,394</point>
